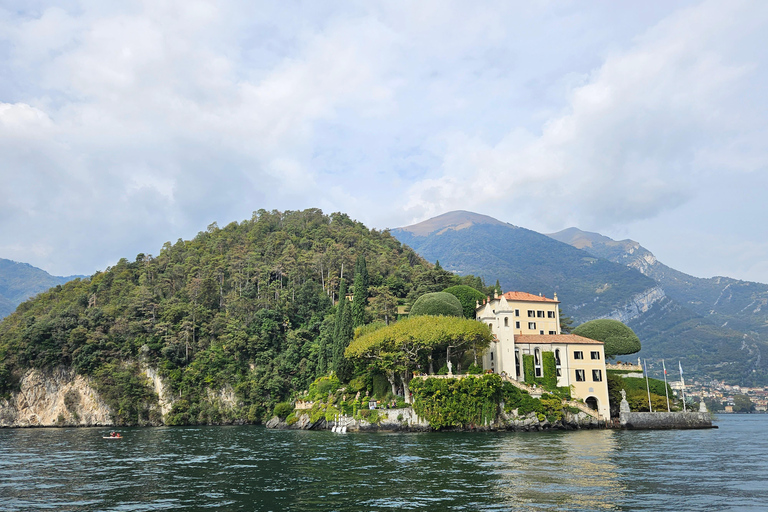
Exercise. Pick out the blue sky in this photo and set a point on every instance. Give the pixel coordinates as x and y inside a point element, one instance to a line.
<point>127,124</point>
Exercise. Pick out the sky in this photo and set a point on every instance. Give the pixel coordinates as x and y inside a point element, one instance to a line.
<point>124,125</point>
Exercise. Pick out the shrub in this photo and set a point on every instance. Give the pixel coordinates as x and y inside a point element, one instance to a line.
<point>437,303</point>
<point>283,409</point>
<point>468,297</point>
<point>475,369</point>
<point>291,419</point>
<point>618,338</point>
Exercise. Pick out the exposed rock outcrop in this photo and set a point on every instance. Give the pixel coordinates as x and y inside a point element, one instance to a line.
<point>637,305</point>
<point>54,398</point>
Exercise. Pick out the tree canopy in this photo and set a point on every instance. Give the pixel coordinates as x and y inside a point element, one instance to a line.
<point>618,338</point>
<point>437,303</point>
<point>468,297</point>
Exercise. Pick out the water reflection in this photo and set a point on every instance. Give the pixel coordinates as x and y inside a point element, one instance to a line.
<point>564,470</point>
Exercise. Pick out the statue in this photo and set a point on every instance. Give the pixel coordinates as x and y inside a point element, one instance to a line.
<point>703,407</point>
<point>624,406</point>
<point>450,368</point>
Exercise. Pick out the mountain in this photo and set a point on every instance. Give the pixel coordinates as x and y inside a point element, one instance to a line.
<point>20,281</point>
<point>596,277</point>
<point>725,301</point>
<point>521,259</point>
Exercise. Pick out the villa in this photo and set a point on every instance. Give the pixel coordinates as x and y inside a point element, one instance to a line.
<point>524,324</point>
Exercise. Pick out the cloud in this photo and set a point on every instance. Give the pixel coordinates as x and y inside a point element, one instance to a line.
<point>632,138</point>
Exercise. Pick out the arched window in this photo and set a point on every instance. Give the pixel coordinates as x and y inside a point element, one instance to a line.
<point>506,322</point>
<point>537,362</point>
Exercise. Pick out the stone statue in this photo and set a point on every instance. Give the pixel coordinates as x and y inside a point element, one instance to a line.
<point>450,368</point>
<point>702,407</point>
<point>624,406</point>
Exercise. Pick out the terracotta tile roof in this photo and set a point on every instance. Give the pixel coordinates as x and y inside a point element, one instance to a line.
<point>529,297</point>
<point>541,339</point>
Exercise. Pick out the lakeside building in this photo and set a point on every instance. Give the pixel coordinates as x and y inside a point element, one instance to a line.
<point>526,324</point>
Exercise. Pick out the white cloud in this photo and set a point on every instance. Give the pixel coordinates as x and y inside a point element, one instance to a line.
<point>631,139</point>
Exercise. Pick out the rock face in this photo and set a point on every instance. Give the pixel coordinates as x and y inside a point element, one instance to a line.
<point>639,303</point>
<point>53,399</point>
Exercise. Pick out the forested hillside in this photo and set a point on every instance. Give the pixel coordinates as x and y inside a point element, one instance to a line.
<point>245,310</point>
<point>20,281</point>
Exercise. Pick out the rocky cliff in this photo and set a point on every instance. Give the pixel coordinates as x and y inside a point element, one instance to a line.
<point>54,398</point>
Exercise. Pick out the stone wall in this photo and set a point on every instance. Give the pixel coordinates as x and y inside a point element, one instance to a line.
<point>665,420</point>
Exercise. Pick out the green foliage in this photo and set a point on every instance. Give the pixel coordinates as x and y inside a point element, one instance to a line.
<point>549,371</point>
<point>475,369</point>
<point>637,393</point>
<point>742,403</point>
<point>282,410</point>
<point>467,402</point>
<point>246,306</point>
<point>468,297</point>
<point>437,303</point>
<point>360,292</point>
<point>618,338</point>
<point>529,371</point>
<point>404,347</point>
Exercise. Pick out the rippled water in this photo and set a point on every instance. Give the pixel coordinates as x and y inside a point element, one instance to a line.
<point>251,468</point>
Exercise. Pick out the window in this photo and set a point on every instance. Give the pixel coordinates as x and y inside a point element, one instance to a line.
<point>540,314</point>
<point>506,324</point>
<point>552,332</point>
<point>532,325</point>
<point>557,356</point>
<point>537,362</point>
<point>595,354</point>
<point>517,312</point>
<point>541,332</point>
<point>550,314</point>
<point>531,313</point>
<point>491,356</point>
<point>580,377</point>
<point>597,375</point>
<point>517,325</point>
<point>578,354</point>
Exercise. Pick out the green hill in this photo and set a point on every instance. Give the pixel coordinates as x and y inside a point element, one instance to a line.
<point>244,311</point>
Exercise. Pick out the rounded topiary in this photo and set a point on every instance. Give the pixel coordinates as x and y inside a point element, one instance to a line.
<point>618,338</point>
<point>468,296</point>
<point>437,303</point>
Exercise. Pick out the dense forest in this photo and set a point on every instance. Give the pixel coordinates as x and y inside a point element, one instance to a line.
<point>256,310</point>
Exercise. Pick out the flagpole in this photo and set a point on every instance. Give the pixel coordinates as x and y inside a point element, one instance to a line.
<point>682,383</point>
<point>666,392</point>
<point>647,386</point>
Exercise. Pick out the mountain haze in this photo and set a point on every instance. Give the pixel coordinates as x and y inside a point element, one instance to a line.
<point>20,281</point>
<point>713,326</point>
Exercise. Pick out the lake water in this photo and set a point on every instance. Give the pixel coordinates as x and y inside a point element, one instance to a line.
<point>251,468</point>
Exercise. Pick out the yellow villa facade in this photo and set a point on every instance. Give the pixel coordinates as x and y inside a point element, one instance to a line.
<point>527,324</point>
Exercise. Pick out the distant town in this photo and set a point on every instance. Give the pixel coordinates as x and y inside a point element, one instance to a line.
<point>722,397</point>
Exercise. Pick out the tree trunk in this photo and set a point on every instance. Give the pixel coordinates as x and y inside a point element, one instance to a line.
<point>406,391</point>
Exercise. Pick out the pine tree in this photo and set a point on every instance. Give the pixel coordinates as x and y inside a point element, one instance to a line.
<point>360,292</point>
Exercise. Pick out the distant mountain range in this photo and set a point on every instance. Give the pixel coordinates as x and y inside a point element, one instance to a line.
<point>20,281</point>
<point>717,327</point>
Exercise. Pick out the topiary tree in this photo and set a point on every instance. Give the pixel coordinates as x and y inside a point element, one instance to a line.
<point>618,338</point>
<point>437,303</point>
<point>468,297</point>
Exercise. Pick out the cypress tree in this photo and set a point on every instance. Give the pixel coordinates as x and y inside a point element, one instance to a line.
<point>360,292</point>
<point>342,333</point>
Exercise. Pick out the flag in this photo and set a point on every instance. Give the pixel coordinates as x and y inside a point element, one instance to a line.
<point>664,366</point>
<point>681,367</point>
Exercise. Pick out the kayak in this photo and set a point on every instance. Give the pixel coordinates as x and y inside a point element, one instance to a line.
<point>112,437</point>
